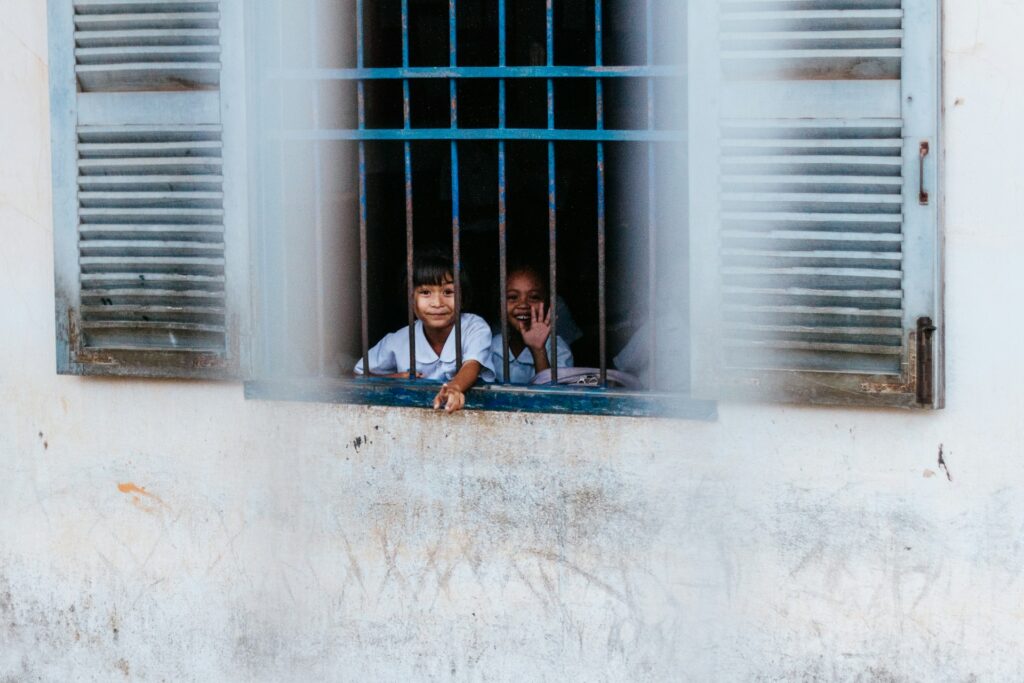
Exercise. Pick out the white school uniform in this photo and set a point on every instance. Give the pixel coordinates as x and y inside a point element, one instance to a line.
<point>391,354</point>
<point>521,368</point>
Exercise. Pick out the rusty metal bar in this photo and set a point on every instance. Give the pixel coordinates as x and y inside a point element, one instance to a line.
<point>407,159</point>
<point>602,314</point>
<point>502,208</point>
<point>549,28</point>
<point>456,232</point>
<point>652,238</point>
<point>364,311</point>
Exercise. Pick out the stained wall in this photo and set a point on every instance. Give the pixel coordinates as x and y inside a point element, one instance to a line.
<point>175,531</point>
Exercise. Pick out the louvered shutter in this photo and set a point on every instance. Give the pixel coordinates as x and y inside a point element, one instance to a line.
<point>816,271</point>
<point>148,137</point>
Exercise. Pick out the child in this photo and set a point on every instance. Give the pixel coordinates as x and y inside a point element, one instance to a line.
<point>529,339</point>
<point>434,305</point>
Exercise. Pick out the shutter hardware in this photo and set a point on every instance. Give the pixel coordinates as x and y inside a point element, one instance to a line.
<point>925,361</point>
<point>922,194</point>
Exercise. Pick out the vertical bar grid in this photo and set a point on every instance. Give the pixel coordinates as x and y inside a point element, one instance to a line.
<point>502,215</point>
<point>652,240</point>
<point>364,312</point>
<point>601,181</point>
<point>549,28</point>
<point>407,160</point>
<point>602,319</point>
<point>456,242</point>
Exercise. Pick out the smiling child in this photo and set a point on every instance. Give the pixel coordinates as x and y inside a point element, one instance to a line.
<point>434,306</point>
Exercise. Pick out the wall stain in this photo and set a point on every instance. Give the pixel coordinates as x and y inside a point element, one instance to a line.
<point>138,494</point>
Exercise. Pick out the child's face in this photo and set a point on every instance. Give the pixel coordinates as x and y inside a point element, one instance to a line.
<point>524,291</point>
<point>435,304</point>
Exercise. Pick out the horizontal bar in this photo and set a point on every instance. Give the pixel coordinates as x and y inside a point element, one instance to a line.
<point>445,72</point>
<point>420,394</point>
<point>566,134</point>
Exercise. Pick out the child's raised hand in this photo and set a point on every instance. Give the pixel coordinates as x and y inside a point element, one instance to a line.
<point>451,397</point>
<point>536,335</point>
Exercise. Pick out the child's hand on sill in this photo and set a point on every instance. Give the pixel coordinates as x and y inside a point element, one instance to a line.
<point>451,397</point>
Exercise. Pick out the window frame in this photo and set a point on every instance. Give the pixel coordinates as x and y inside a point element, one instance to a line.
<point>555,399</point>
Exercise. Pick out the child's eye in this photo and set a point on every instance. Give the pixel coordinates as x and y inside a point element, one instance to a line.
<point>449,292</point>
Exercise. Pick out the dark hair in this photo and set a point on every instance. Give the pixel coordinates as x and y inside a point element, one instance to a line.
<point>434,267</point>
<point>531,267</point>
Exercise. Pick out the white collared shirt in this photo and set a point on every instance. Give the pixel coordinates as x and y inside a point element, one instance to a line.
<point>391,354</point>
<point>521,369</point>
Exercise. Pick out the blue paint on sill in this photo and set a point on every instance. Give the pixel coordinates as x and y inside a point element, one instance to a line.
<point>524,399</point>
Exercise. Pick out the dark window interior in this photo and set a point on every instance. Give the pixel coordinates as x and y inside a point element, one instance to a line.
<point>626,162</point>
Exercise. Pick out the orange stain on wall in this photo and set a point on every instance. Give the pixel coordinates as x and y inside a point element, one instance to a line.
<point>136,491</point>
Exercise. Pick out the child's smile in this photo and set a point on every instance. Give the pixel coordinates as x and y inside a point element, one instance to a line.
<point>435,306</point>
<point>524,291</point>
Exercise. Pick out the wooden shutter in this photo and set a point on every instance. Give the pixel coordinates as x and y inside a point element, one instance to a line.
<point>815,124</point>
<point>149,202</point>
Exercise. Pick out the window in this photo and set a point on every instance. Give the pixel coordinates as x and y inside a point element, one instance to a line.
<point>773,183</point>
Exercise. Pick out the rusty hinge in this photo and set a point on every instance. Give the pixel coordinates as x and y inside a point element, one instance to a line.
<point>925,361</point>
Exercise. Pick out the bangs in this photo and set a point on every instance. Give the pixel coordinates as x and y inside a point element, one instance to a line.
<point>432,268</point>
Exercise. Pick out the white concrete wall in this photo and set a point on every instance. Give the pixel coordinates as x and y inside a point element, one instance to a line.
<point>278,542</point>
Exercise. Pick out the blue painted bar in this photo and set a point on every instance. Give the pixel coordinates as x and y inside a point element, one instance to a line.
<point>457,255</point>
<point>440,72</point>
<point>360,43</point>
<point>409,256</point>
<point>456,228</point>
<point>549,30</point>
<point>364,304</point>
<point>540,134</point>
<point>532,399</point>
<point>602,292</point>
<point>406,100</point>
<point>409,222</point>
<point>503,258</point>
<point>652,234</point>
<point>502,208</point>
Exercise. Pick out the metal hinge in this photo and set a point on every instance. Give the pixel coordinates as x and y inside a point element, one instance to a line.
<point>925,361</point>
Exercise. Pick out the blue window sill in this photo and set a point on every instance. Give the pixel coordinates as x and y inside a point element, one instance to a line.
<point>525,399</point>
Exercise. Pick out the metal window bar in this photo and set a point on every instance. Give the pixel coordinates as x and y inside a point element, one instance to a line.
<point>502,215</point>
<point>364,306</point>
<point>602,319</point>
<point>453,96</point>
<point>453,73</point>
<point>549,30</point>
<point>407,161</point>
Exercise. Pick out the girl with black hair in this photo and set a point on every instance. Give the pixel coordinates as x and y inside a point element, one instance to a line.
<point>434,306</point>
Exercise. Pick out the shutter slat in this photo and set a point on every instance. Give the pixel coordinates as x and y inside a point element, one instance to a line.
<point>147,46</point>
<point>878,349</point>
<point>151,237</point>
<point>160,280</point>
